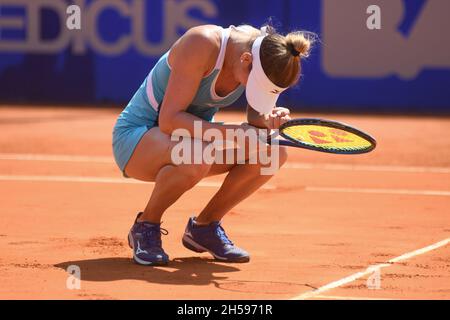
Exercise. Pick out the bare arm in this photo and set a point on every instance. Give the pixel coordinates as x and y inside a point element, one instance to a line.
<point>191,58</point>
<point>256,119</point>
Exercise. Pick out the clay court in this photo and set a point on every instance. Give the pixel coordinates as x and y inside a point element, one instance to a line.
<point>313,231</point>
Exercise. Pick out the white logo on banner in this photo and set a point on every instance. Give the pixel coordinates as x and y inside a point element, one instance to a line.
<point>351,49</point>
<point>175,15</point>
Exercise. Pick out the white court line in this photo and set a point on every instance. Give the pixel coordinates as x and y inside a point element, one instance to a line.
<point>207,184</point>
<point>370,270</point>
<point>213,184</point>
<point>356,167</point>
<point>348,298</point>
<point>380,191</point>
<point>54,157</point>
<point>289,165</point>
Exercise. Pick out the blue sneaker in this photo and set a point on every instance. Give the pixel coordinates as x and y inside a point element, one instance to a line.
<point>145,240</point>
<point>212,238</point>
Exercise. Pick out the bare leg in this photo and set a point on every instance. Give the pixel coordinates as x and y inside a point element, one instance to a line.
<point>151,161</point>
<point>240,183</point>
<point>171,183</point>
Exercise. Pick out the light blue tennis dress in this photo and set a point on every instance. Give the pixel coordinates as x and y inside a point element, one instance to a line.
<point>142,111</point>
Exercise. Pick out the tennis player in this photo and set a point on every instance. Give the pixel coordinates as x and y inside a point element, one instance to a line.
<point>208,68</point>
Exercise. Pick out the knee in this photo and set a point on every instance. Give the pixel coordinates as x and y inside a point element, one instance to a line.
<point>192,174</point>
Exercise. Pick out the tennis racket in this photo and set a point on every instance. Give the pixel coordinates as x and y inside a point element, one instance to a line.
<point>323,135</point>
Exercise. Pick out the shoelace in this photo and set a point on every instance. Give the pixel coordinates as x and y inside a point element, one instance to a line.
<point>222,235</point>
<point>153,237</point>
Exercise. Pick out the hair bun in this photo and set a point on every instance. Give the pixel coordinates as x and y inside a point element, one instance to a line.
<point>299,43</point>
<point>280,56</point>
<point>294,51</point>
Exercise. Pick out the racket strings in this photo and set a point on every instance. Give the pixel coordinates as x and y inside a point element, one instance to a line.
<point>328,138</point>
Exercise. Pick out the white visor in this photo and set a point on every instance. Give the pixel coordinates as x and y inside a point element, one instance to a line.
<point>262,94</point>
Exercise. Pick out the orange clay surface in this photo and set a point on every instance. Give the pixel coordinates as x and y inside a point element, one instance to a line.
<point>321,219</point>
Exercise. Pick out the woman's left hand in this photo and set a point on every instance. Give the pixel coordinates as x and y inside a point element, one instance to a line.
<point>278,117</point>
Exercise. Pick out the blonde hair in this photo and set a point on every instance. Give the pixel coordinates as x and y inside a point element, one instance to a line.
<point>281,56</point>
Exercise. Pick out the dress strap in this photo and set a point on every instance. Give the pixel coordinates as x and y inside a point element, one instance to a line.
<point>223,47</point>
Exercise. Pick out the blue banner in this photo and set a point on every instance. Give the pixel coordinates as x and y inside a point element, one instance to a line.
<point>373,55</point>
